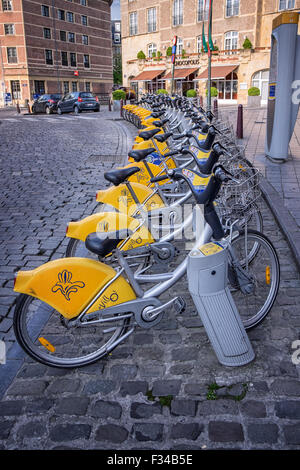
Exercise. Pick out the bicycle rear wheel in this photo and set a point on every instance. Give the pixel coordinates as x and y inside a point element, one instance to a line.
<point>261,266</point>
<point>45,336</point>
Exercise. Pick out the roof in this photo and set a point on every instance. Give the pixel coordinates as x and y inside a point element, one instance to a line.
<point>220,71</point>
<point>147,75</point>
<point>181,73</point>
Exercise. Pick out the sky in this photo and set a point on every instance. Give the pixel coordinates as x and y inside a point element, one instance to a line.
<point>115,10</point>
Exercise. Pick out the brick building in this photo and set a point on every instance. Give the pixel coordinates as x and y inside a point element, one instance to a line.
<point>150,27</point>
<point>52,46</point>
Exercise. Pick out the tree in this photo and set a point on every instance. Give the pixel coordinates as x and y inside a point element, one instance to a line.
<point>117,69</point>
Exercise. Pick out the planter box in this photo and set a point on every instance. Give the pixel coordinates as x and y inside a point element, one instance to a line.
<point>116,105</point>
<point>254,101</point>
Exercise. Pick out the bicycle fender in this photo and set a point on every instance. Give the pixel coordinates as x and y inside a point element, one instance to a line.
<point>120,198</point>
<point>143,176</point>
<point>70,284</point>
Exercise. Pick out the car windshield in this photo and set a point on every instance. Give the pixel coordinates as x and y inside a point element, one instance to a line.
<point>55,97</point>
<point>86,95</point>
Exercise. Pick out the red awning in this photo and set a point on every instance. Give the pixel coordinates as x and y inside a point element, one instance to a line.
<point>147,75</point>
<point>181,73</point>
<point>220,71</point>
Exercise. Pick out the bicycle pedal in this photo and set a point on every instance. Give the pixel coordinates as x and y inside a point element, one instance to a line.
<point>179,305</point>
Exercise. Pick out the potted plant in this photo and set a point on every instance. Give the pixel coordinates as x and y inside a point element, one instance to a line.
<point>254,98</point>
<point>213,92</point>
<point>141,55</point>
<point>161,91</point>
<point>117,96</point>
<point>247,44</point>
<point>169,51</point>
<point>191,94</point>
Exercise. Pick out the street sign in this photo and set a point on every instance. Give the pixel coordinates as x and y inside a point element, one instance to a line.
<point>76,73</point>
<point>7,96</point>
<point>174,40</point>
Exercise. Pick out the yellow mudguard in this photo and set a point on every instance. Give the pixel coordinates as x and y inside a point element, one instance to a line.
<point>70,284</point>
<point>143,176</point>
<point>111,222</point>
<point>120,198</point>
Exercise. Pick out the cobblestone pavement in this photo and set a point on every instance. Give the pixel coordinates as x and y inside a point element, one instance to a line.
<point>158,389</point>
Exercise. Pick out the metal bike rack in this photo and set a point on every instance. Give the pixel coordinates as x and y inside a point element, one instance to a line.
<point>207,281</point>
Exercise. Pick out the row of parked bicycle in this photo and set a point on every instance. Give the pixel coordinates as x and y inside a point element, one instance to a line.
<point>187,188</point>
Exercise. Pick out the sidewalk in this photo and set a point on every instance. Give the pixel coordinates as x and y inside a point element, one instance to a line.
<point>163,388</point>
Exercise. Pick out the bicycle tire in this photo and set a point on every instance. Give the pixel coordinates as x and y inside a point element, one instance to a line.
<point>273,267</point>
<point>41,324</point>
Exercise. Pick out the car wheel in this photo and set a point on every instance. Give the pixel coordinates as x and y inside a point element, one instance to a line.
<point>59,111</point>
<point>33,111</point>
<point>97,110</point>
<point>48,110</point>
<point>76,110</point>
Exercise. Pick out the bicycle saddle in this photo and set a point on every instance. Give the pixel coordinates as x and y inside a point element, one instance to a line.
<point>146,135</point>
<point>103,243</point>
<point>117,177</point>
<point>160,123</point>
<point>139,155</point>
<point>163,137</point>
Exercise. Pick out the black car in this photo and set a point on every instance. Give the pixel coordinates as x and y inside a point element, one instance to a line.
<point>46,103</point>
<point>78,101</point>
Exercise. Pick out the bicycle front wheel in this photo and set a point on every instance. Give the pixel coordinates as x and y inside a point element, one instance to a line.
<point>45,336</point>
<point>261,266</point>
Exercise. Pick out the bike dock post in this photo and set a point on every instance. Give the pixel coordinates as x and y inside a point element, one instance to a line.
<point>239,125</point>
<point>207,281</point>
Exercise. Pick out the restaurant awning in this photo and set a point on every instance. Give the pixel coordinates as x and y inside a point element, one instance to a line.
<point>181,74</point>
<point>147,75</point>
<point>220,71</point>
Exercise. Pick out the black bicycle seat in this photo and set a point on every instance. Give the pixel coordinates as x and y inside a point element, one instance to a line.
<point>146,135</point>
<point>163,137</point>
<point>139,155</point>
<point>103,243</point>
<point>117,177</point>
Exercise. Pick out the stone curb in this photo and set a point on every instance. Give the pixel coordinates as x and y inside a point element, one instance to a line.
<point>283,217</point>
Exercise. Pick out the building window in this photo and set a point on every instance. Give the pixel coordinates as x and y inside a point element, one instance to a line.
<point>12,57</point>
<point>286,4</point>
<point>179,47</point>
<point>39,87</point>
<point>118,27</point>
<point>231,40</point>
<point>15,89</point>
<point>83,3</point>
<point>151,20</point>
<point>261,80</point>
<point>84,20</point>
<point>74,86</point>
<point>47,33</point>
<point>70,17</point>
<point>45,10</point>
<point>9,29</point>
<point>7,5</point>
<point>73,59</point>
<point>48,57</point>
<point>133,28</point>
<point>87,86</point>
<point>71,37</point>
<point>85,39</point>
<point>86,61</point>
<point>64,58</point>
<point>66,87</point>
<point>199,43</point>
<point>152,49</point>
<point>177,12</point>
<point>63,35</point>
<point>232,7</point>
<point>203,9</point>
<point>61,15</point>
<point>117,38</point>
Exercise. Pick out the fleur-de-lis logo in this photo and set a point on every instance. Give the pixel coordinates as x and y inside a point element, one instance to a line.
<point>65,284</point>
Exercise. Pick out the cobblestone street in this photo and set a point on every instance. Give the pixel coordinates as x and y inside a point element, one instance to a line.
<point>161,389</point>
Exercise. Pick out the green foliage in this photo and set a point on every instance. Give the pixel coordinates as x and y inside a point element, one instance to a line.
<point>161,91</point>
<point>118,95</point>
<point>159,54</point>
<point>154,54</point>
<point>191,93</point>
<point>169,51</point>
<point>247,44</point>
<point>141,55</point>
<point>183,53</point>
<point>117,69</point>
<point>166,401</point>
<point>254,91</point>
<point>213,92</point>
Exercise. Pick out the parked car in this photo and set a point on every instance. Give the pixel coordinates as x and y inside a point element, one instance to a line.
<point>46,103</point>
<point>78,101</point>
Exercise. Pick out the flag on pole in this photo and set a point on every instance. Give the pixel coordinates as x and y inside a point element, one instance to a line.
<point>204,43</point>
<point>210,41</point>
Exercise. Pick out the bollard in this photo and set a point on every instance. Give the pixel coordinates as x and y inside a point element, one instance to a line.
<point>201,101</point>
<point>18,108</point>
<point>121,108</point>
<point>239,125</point>
<point>29,108</point>
<point>109,104</point>
<point>216,108</point>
